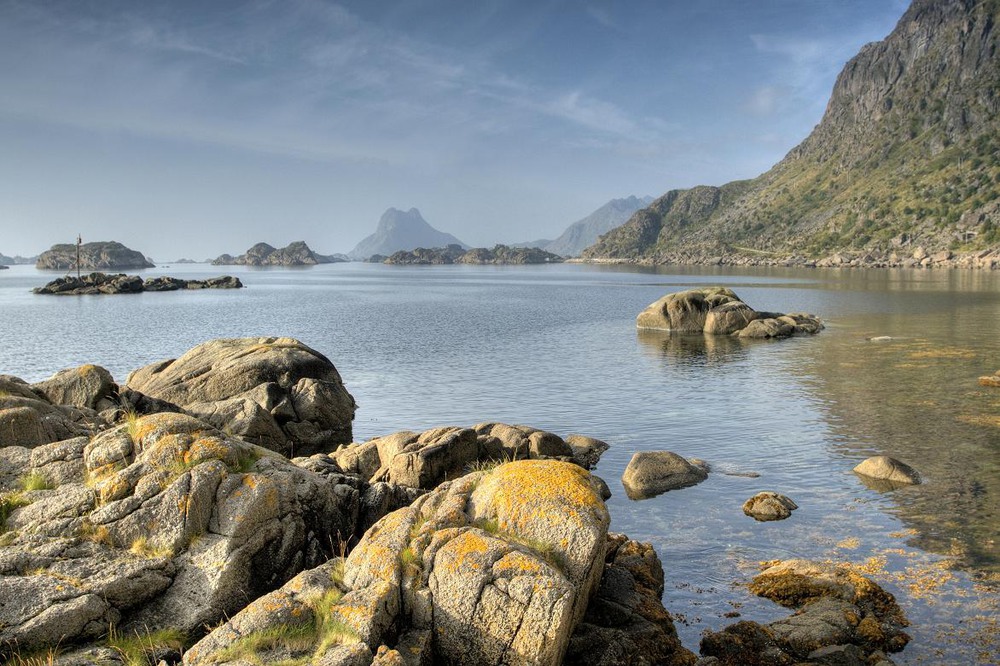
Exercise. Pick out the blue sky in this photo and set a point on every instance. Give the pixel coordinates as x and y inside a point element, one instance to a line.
<point>196,128</point>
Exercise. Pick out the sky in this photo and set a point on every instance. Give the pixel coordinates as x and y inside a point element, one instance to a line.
<point>190,129</point>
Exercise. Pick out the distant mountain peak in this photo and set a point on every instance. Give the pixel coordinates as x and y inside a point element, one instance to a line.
<point>402,230</point>
<point>585,232</point>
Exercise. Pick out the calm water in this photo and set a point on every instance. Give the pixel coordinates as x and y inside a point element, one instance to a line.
<point>556,347</point>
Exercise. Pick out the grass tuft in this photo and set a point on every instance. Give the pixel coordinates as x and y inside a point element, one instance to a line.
<point>138,649</point>
<point>8,503</point>
<point>35,481</point>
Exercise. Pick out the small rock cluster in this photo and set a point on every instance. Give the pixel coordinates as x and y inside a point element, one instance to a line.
<point>719,311</point>
<point>104,283</point>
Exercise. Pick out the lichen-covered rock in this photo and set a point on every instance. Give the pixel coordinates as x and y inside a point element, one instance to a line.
<point>492,568</point>
<point>297,391</point>
<point>626,622</point>
<point>890,470</point>
<point>89,386</point>
<point>650,473</point>
<point>769,505</point>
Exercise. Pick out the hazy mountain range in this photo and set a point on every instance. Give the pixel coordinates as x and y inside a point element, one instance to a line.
<point>907,154</point>
<point>584,233</point>
<point>398,230</point>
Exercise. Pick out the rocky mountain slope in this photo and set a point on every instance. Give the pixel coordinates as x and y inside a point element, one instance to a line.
<point>456,254</point>
<point>584,232</point>
<point>97,256</point>
<point>905,161</point>
<point>262,254</point>
<point>398,230</point>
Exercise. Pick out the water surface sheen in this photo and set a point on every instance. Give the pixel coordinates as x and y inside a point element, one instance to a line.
<point>556,347</point>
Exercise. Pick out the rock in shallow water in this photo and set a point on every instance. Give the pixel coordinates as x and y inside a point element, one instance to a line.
<point>890,470</point>
<point>650,473</point>
<point>768,505</point>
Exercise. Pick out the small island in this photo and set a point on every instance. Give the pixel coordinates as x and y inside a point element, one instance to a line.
<point>97,256</point>
<point>262,254</point>
<point>104,283</point>
<point>456,254</point>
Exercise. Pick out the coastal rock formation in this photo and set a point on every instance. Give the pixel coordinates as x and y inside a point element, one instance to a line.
<point>262,254</point>
<point>89,386</point>
<point>176,526</point>
<point>888,470</point>
<point>276,392</point>
<point>841,618</point>
<point>650,473</point>
<point>496,567</point>
<point>103,283</point>
<point>398,230</point>
<point>98,256</point>
<point>456,254</point>
<point>719,311</point>
<point>923,103</point>
<point>769,505</point>
<point>29,419</point>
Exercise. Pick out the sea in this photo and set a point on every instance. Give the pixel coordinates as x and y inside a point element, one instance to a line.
<point>894,372</point>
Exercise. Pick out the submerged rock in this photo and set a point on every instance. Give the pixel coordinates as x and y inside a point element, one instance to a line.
<point>650,473</point>
<point>888,470</point>
<point>276,392</point>
<point>990,380</point>
<point>840,616</point>
<point>769,506</point>
<point>719,311</point>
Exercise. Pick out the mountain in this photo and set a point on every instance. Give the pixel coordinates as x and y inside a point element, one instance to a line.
<point>262,254</point>
<point>18,259</point>
<point>905,162</point>
<point>584,233</point>
<point>98,256</point>
<point>401,231</point>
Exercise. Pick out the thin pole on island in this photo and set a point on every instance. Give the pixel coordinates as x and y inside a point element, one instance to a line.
<point>79,242</point>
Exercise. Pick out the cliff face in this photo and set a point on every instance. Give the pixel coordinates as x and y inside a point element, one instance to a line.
<point>907,154</point>
<point>99,256</point>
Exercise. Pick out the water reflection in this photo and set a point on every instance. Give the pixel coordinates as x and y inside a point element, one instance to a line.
<point>690,349</point>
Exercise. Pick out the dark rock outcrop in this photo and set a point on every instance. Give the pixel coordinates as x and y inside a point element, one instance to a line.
<point>103,283</point>
<point>98,256</point>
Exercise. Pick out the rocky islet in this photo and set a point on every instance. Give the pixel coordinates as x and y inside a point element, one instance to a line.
<point>105,283</point>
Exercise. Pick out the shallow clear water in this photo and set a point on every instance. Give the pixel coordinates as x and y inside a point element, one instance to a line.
<point>556,347</point>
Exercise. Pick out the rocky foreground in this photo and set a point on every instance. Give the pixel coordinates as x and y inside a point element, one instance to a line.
<point>213,509</point>
<point>103,283</point>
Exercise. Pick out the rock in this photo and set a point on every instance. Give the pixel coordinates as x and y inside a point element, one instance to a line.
<point>587,451</point>
<point>625,622</point>
<point>297,391</point>
<point>262,254</point>
<point>990,380</point>
<point>769,506</point>
<point>650,473</point>
<point>496,566</point>
<point>719,311</point>
<point>99,256</point>
<point>103,283</point>
<point>745,643</point>
<point>28,419</point>
<point>88,386</point>
<point>887,469</point>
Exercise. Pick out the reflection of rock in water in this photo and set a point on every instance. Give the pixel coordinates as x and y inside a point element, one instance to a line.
<point>908,398</point>
<point>691,347</point>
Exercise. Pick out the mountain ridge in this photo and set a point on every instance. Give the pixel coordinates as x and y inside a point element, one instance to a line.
<point>585,231</point>
<point>905,161</point>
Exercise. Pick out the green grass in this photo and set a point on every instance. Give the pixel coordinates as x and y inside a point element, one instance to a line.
<point>39,657</point>
<point>8,503</point>
<point>35,481</point>
<point>137,650</point>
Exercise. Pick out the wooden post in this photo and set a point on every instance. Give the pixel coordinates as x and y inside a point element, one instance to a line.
<point>79,242</point>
